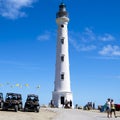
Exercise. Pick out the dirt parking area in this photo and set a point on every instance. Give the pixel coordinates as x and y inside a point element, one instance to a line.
<point>42,115</point>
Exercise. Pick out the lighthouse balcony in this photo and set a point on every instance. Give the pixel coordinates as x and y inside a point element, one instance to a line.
<point>62,19</point>
<point>62,14</point>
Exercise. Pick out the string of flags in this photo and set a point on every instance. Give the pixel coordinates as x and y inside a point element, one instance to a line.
<point>18,85</point>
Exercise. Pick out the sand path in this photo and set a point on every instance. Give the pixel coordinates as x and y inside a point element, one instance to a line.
<point>81,115</point>
<point>56,114</point>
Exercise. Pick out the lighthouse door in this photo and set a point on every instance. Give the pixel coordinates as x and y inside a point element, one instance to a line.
<point>62,100</point>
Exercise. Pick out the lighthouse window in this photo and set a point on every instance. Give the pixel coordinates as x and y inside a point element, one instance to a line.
<point>62,76</point>
<point>62,26</point>
<point>62,58</point>
<point>62,41</point>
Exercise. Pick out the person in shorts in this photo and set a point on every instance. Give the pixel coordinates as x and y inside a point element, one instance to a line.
<point>112,108</point>
<point>108,108</point>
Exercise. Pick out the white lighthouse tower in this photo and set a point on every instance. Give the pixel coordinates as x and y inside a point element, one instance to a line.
<point>62,90</point>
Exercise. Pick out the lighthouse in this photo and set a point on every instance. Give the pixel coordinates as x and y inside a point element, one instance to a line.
<point>62,90</point>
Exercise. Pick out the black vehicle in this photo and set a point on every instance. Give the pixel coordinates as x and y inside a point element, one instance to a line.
<point>32,103</point>
<point>1,100</point>
<point>13,101</point>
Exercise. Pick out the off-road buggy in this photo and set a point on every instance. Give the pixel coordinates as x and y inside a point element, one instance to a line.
<point>32,103</point>
<point>13,101</point>
<point>1,100</point>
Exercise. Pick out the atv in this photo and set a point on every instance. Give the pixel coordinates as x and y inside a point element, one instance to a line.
<point>32,103</point>
<point>1,100</point>
<point>13,101</point>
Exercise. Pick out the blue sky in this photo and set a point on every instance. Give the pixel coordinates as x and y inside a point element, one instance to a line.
<point>28,48</point>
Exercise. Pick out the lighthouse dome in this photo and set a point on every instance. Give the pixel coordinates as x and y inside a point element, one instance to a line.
<point>62,11</point>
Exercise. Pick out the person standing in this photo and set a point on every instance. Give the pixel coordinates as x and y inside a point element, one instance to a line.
<point>108,107</point>
<point>94,106</point>
<point>70,103</point>
<point>113,109</point>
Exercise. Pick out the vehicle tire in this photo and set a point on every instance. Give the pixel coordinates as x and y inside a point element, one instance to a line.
<point>3,108</point>
<point>16,108</point>
<point>20,107</point>
<point>1,104</point>
<point>37,109</point>
<point>25,109</point>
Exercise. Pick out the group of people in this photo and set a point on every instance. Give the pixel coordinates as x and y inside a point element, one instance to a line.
<point>89,106</point>
<point>110,108</point>
<point>67,104</point>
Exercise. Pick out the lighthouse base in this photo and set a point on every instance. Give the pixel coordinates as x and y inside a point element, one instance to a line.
<point>60,99</point>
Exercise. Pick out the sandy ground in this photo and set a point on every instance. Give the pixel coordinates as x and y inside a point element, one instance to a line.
<point>83,115</point>
<point>44,114</point>
<point>56,114</point>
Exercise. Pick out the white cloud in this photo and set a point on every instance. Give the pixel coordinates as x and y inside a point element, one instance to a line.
<point>110,50</point>
<point>88,40</point>
<point>82,47</point>
<point>88,48</point>
<point>44,37</point>
<point>88,35</point>
<point>74,44</point>
<point>106,37</point>
<point>12,9</point>
<point>83,41</point>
